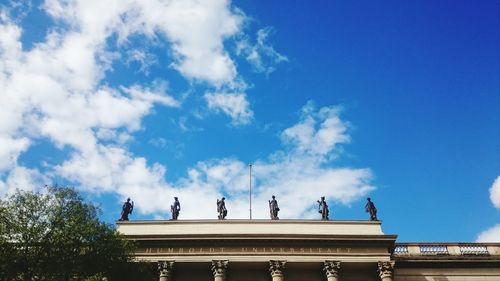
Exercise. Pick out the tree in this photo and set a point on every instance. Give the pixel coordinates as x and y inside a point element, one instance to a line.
<point>56,235</point>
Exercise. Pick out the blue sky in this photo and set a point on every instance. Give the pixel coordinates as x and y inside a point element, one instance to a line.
<point>395,101</point>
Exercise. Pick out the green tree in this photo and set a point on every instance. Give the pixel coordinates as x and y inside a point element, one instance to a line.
<point>56,235</point>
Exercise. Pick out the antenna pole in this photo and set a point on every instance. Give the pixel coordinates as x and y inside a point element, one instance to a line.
<point>250,193</point>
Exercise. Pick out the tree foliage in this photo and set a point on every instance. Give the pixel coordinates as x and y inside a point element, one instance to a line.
<point>56,235</point>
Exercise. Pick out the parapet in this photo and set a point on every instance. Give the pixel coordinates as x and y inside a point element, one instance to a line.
<point>262,228</point>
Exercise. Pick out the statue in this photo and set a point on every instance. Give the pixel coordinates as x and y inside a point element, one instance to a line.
<point>175,208</point>
<point>323,208</point>
<point>126,210</point>
<point>221,208</point>
<point>370,208</point>
<point>273,208</point>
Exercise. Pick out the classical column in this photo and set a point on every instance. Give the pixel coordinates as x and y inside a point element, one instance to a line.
<point>385,270</point>
<point>331,269</point>
<point>276,268</point>
<point>166,269</point>
<point>219,268</point>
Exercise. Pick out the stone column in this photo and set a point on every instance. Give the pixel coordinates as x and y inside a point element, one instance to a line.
<point>385,270</point>
<point>276,268</point>
<point>219,268</point>
<point>166,269</point>
<point>331,269</point>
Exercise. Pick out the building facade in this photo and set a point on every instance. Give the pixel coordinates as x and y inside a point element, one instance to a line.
<point>302,250</point>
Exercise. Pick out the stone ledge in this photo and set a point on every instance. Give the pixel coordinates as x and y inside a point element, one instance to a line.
<point>250,227</point>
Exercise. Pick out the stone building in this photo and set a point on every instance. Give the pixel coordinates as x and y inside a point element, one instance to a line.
<point>302,250</point>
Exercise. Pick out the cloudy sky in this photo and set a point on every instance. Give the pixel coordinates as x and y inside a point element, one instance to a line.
<point>152,99</point>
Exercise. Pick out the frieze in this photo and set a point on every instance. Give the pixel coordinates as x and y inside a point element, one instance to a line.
<point>259,250</point>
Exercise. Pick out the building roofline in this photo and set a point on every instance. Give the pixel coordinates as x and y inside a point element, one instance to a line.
<point>280,221</point>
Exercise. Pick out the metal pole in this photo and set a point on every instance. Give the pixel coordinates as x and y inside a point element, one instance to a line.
<point>250,193</point>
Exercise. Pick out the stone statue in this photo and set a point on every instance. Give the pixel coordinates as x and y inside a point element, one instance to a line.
<point>323,208</point>
<point>273,208</point>
<point>175,208</point>
<point>221,208</point>
<point>370,208</point>
<point>126,210</point>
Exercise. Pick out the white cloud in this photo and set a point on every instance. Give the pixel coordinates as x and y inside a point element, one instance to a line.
<point>235,105</point>
<point>24,179</point>
<point>158,142</point>
<point>313,137</point>
<point>262,56</point>
<point>196,29</point>
<point>17,9</point>
<point>57,90</point>
<point>143,58</point>
<point>495,192</point>
<point>490,235</point>
<point>54,90</point>
<point>297,177</point>
<point>10,149</point>
<point>290,174</point>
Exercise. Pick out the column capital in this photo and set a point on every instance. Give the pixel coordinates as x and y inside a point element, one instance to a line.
<point>219,267</point>
<point>331,268</point>
<point>385,269</point>
<point>165,268</point>
<point>276,267</point>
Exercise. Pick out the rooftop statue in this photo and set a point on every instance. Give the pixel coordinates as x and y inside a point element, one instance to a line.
<point>126,210</point>
<point>221,208</point>
<point>323,208</point>
<point>273,208</point>
<point>175,208</point>
<point>370,208</point>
